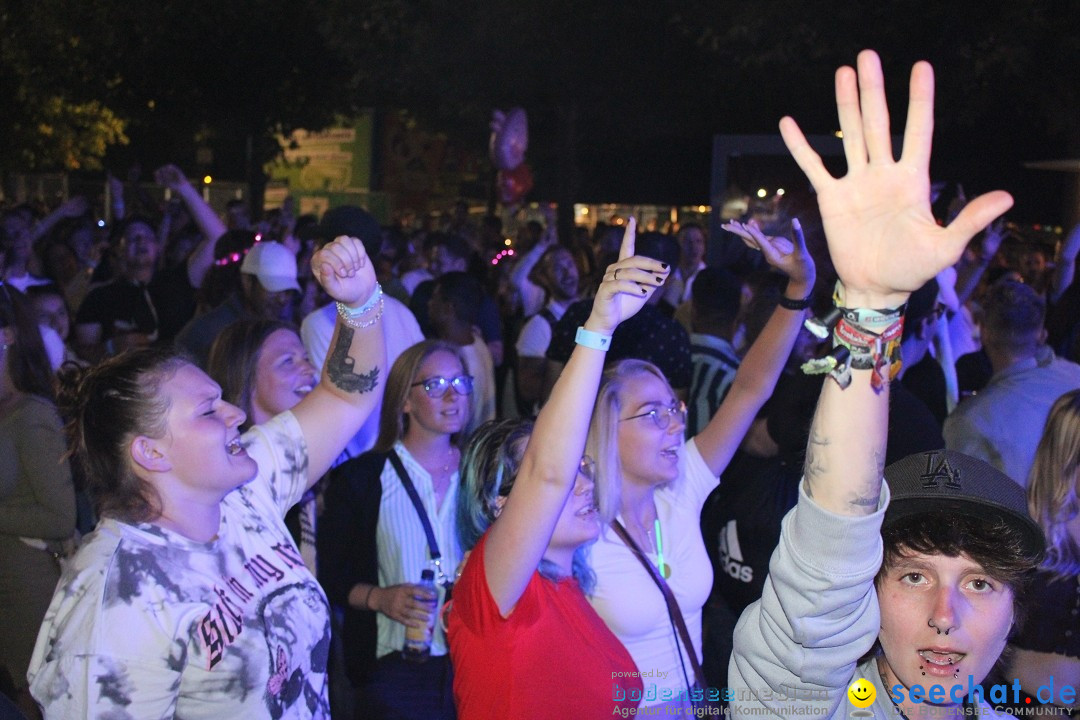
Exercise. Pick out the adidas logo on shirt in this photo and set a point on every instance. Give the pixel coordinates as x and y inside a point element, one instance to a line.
<point>731,557</point>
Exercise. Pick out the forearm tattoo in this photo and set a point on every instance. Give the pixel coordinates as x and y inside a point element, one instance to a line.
<point>815,459</point>
<point>872,492</point>
<point>339,366</point>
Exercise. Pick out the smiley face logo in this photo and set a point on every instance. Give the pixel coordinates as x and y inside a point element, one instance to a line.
<point>861,693</point>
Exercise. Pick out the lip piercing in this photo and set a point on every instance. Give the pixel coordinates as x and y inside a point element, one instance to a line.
<point>930,623</point>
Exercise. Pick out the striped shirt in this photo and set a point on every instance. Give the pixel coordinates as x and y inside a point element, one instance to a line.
<point>403,546</point>
<point>714,366</point>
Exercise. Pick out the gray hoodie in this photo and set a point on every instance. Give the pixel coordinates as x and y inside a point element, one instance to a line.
<point>797,649</point>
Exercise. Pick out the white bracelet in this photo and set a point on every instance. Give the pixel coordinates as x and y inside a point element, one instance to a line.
<point>354,318</point>
<point>593,340</point>
<point>372,301</point>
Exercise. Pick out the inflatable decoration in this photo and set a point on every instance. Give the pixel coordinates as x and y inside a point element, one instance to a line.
<point>514,184</point>
<point>509,138</point>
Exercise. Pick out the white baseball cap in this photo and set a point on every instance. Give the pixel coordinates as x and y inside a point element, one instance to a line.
<point>273,264</point>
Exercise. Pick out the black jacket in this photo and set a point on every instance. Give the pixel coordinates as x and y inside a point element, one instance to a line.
<point>348,554</point>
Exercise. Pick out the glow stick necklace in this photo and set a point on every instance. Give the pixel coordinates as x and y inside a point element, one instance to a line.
<point>663,567</point>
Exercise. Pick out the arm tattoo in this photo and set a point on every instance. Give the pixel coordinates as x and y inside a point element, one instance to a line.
<point>815,459</point>
<point>872,492</point>
<point>339,367</point>
<point>867,500</point>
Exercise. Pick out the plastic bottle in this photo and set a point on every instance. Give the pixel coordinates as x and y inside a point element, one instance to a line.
<point>418,640</point>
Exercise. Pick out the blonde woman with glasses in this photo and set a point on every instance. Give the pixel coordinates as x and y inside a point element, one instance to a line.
<point>653,575</point>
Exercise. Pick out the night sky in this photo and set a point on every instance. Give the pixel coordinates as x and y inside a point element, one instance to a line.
<point>648,84</point>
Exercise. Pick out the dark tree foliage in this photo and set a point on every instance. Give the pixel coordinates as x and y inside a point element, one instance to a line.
<point>623,96</point>
<point>224,74</point>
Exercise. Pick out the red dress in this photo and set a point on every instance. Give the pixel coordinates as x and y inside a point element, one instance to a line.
<point>552,658</point>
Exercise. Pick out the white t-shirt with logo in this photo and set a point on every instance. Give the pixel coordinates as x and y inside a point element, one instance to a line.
<point>146,623</point>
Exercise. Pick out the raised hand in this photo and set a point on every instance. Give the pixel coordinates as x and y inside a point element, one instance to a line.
<point>882,237</point>
<point>957,204</point>
<point>790,258</point>
<point>171,177</point>
<point>344,271</point>
<point>627,285</point>
<point>991,240</point>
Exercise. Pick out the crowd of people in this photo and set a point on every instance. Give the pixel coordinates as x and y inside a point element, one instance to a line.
<point>304,466</point>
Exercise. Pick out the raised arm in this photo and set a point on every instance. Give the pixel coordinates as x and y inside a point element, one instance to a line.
<point>972,266</point>
<point>765,360</point>
<point>1065,266</point>
<point>71,208</point>
<point>354,373</point>
<point>549,467</point>
<point>884,244</point>
<point>211,226</point>
<point>818,613</point>
<point>532,295</point>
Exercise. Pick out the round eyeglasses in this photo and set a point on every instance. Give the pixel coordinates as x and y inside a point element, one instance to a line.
<point>662,416</point>
<point>436,387</point>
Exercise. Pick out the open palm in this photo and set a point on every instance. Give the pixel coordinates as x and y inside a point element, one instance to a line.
<point>883,239</point>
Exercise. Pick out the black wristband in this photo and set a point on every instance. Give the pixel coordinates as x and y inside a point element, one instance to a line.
<point>789,304</point>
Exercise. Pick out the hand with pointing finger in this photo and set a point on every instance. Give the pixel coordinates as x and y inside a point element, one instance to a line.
<point>627,285</point>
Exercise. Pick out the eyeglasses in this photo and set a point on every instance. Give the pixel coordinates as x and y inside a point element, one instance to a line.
<point>588,468</point>
<point>662,416</point>
<point>436,387</point>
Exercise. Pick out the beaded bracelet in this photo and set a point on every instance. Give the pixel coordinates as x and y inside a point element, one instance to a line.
<point>352,317</point>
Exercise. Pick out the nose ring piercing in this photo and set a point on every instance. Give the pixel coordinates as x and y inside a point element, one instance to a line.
<point>930,623</point>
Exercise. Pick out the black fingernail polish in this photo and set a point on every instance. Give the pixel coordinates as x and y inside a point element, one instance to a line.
<point>663,265</point>
<point>643,291</point>
<point>659,279</point>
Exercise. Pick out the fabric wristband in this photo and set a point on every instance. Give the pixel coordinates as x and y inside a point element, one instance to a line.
<point>593,340</point>
<point>354,313</point>
<point>864,339</point>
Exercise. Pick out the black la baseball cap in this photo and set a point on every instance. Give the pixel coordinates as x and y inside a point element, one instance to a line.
<point>951,482</point>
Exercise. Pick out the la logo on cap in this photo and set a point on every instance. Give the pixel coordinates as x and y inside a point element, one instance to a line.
<point>937,469</point>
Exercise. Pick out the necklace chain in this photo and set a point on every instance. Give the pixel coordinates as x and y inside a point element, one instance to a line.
<point>446,470</point>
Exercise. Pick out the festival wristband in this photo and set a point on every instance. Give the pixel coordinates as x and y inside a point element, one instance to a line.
<point>593,340</point>
<point>354,318</point>
<point>870,318</point>
<point>864,339</point>
<point>372,301</point>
